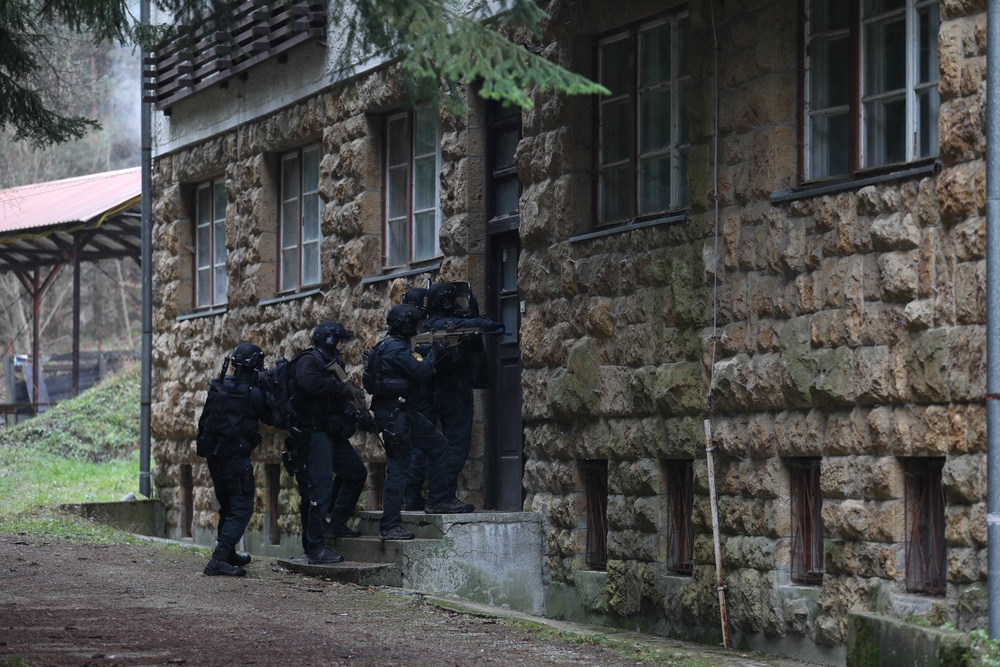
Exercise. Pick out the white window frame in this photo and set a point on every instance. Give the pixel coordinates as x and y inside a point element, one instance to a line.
<point>299,232</point>
<point>860,104</point>
<point>406,171</point>
<point>677,84</point>
<point>210,280</point>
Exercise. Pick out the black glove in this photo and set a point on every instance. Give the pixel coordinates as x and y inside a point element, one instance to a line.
<point>345,391</point>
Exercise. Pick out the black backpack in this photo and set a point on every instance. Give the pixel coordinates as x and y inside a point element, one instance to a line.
<point>371,374</point>
<point>227,419</point>
<point>278,385</point>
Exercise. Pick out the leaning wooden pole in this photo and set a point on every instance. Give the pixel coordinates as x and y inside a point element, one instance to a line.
<point>720,582</point>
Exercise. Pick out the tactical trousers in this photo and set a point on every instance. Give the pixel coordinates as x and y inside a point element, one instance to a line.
<point>427,439</point>
<point>453,405</point>
<point>232,477</point>
<point>328,454</point>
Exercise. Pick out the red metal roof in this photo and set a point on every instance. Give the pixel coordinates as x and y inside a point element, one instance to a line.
<point>79,199</point>
<point>88,218</point>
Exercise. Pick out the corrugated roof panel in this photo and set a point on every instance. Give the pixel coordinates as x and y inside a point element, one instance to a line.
<point>77,199</point>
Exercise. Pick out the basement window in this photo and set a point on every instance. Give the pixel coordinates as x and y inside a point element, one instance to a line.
<point>925,540</point>
<point>807,520</point>
<point>187,500</point>
<point>272,475</point>
<point>595,481</point>
<point>680,498</point>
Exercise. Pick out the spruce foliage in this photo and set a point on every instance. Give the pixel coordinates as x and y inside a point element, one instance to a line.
<point>439,45</point>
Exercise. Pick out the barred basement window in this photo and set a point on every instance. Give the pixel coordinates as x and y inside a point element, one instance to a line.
<point>595,480</point>
<point>272,473</point>
<point>187,500</point>
<point>925,542</point>
<point>680,535</point>
<point>807,520</point>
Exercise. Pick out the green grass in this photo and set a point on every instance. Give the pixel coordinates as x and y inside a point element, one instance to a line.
<point>82,450</point>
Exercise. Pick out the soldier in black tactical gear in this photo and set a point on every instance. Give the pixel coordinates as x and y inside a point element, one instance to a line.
<point>452,391</point>
<point>323,410</point>
<point>397,388</point>
<point>227,433</point>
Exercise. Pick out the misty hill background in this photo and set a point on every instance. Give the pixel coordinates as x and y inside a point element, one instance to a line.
<point>101,82</point>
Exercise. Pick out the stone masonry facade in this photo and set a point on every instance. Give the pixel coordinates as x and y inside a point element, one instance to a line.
<point>843,323</point>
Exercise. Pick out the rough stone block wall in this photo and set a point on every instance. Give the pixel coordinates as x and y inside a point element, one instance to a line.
<point>846,324</point>
<point>188,349</point>
<point>851,327</point>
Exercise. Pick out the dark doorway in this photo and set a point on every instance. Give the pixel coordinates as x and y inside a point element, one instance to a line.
<point>505,434</point>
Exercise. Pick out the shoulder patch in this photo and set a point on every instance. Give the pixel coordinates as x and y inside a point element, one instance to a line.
<point>417,356</point>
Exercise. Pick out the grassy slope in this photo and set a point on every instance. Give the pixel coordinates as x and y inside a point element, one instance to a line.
<point>82,450</point>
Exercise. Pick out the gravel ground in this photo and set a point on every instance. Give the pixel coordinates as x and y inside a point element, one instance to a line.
<point>67,603</point>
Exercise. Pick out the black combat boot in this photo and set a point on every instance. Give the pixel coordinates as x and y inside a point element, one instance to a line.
<point>323,556</point>
<point>337,529</point>
<point>237,559</point>
<point>221,567</point>
<point>453,506</point>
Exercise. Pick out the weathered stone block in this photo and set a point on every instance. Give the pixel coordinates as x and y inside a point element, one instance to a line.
<point>834,381</point>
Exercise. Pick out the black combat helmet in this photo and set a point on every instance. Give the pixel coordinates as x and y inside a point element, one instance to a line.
<point>441,298</point>
<point>415,296</point>
<point>403,320</point>
<point>327,334</point>
<point>248,355</point>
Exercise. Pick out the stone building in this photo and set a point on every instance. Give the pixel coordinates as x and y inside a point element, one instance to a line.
<point>772,229</point>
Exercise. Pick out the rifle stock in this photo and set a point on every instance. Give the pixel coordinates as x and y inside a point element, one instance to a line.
<point>357,395</point>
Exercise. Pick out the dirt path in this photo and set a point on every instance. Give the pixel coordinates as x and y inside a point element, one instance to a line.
<point>64,603</point>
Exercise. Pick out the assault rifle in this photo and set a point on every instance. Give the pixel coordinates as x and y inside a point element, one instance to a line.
<point>449,337</point>
<point>357,396</point>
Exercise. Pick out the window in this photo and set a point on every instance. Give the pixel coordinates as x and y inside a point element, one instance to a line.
<point>680,498</point>
<point>807,520</point>
<point>186,491</point>
<point>300,211</point>
<point>412,194</point>
<point>272,473</point>
<point>644,136</point>
<point>503,134</point>
<point>871,84</point>
<point>210,281</point>
<point>925,542</point>
<point>595,480</point>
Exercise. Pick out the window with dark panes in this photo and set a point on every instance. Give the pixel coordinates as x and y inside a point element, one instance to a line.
<point>504,190</point>
<point>871,84</point>
<point>644,135</point>
<point>807,520</point>
<point>300,217</point>
<point>680,498</point>
<point>595,480</point>
<point>210,280</point>
<point>412,195</point>
<point>926,555</point>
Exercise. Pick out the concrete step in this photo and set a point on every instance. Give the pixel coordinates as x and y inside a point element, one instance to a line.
<point>490,557</point>
<point>430,526</point>
<point>368,549</point>
<point>348,572</point>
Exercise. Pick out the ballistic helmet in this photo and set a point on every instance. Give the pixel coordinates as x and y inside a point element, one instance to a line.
<point>403,319</point>
<point>441,298</point>
<point>328,334</point>
<point>415,296</point>
<point>248,355</point>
